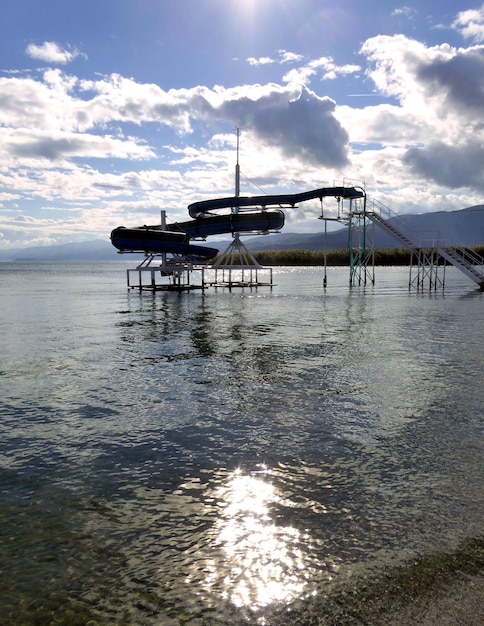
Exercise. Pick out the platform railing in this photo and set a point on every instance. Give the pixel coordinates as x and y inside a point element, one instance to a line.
<point>394,221</point>
<point>467,258</point>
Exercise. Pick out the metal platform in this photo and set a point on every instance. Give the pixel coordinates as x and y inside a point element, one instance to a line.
<point>157,273</point>
<point>237,267</point>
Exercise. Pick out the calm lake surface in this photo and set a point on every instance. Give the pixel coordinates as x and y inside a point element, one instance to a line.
<point>230,457</point>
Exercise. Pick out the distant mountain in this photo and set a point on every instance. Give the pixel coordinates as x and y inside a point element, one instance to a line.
<point>98,250</point>
<point>464,227</point>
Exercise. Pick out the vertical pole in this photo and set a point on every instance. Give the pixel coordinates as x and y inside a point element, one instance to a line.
<point>237,180</point>
<point>163,227</point>
<point>350,248</point>
<point>363,244</point>
<point>325,279</point>
<point>410,269</point>
<point>237,168</point>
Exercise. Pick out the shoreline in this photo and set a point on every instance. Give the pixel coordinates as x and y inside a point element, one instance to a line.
<point>461,603</point>
<point>438,589</point>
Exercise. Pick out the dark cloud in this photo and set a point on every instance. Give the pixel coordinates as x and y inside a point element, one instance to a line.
<point>449,166</point>
<point>74,145</point>
<point>302,125</point>
<point>294,119</point>
<point>47,148</point>
<point>461,78</point>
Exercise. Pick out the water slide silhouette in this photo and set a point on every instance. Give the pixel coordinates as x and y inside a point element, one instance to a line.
<point>247,214</point>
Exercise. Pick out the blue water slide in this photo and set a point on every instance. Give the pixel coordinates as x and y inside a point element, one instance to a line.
<point>200,208</point>
<point>175,238</point>
<point>156,241</point>
<point>253,221</point>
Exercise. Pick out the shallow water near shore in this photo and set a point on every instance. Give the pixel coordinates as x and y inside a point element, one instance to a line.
<point>237,456</point>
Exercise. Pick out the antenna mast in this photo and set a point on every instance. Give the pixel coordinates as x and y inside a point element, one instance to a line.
<point>237,167</point>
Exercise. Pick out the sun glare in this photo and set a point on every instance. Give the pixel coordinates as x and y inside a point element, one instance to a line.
<point>265,562</point>
<point>250,7</point>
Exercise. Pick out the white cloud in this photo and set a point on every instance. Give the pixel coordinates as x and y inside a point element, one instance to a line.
<point>440,91</point>
<point>325,67</point>
<point>38,145</point>
<point>405,11</point>
<point>470,24</point>
<point>260,61</point>
<point>289,57</point>
<point>283,58</point>
<point>385,125</point>
<point>51,52</point>
<point>435,83</point>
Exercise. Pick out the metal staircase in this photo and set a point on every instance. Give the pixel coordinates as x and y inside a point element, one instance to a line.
<point>397,234</point>
<point>470,263</point>
<point>429,251</point>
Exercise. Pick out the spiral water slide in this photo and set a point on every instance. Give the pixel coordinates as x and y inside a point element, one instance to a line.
<point>247,214</point>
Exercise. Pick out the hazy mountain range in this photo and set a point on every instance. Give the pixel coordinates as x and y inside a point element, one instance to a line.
<point>464,227</point>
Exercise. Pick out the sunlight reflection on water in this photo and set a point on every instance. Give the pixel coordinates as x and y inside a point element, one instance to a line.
<point>265,562</point>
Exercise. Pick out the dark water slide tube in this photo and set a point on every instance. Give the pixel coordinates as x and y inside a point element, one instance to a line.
<point>147,239</point>
<point>175,239</point>
<point>289,199</point>
<point>207,225</point>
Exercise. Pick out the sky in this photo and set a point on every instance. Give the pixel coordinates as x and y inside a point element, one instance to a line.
<point>112,110</point>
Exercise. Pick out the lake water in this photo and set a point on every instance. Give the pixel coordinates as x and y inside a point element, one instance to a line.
<point>230,457</point>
